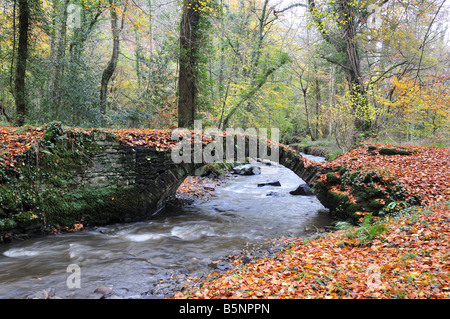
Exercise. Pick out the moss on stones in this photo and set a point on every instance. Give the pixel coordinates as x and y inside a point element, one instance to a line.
<point>54,184</point>
<point>215,169</point>
<point>371,192</point>
<point>392,151</point>
<point>332,179</point>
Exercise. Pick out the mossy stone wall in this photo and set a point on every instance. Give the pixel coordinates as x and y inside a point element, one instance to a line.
<point>90,178</point>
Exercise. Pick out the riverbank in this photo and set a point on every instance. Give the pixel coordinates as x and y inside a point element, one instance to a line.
<point>401,253</point>
<point>199,189</point>
<point>410,260</point>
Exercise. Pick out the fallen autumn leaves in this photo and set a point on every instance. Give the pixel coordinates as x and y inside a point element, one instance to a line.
<point>425,172</point>
<point>409,260</point>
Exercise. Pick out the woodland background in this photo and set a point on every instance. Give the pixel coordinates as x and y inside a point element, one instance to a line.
<point>319,70</point>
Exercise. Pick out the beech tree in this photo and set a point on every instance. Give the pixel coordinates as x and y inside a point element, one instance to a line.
<point>343,37</point>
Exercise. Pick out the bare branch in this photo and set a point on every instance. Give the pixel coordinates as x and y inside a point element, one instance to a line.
<point>422,46</point>
<point>290,7</point>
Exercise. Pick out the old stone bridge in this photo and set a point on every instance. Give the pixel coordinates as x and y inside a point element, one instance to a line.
<point>105,176</point>
<point>147,176</point>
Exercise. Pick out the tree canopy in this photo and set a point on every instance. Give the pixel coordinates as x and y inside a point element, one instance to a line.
<point>315,69</point>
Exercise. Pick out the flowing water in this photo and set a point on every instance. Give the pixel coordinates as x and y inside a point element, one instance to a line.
<point>131,257</point>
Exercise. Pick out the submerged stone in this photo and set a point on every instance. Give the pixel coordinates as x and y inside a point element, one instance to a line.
<point>247,169</point>
<point>303,190</point>
<point>275,183</point>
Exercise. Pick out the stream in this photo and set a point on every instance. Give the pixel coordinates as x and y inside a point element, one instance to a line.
<point>134,259</point>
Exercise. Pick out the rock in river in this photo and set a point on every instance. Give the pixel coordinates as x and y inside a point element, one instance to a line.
<point>303,189</point>
<point>247,169</point>
<point>276,183</point>
<point>275,194</point>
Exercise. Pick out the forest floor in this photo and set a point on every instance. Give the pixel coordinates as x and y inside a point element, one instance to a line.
<point>409,258</point>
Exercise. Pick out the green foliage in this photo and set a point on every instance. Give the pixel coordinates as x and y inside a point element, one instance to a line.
<point>365,232</point>
<point>239,42</point>
<point>78,100</point>
<point>334,154</point>
<point>7,223</point>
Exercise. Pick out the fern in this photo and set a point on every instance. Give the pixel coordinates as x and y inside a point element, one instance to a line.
<point>365,232</point>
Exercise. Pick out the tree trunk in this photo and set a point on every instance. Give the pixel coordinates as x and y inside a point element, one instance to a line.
<point>80,35</point>
<point>256,54</point>
<point>139,56</point>
<point>58,69</point>
<point>256,86</point>
<point>346,43</point>
<point>308,121</point>
<point>11,69</point>
<point>187,79</point>
<point>353,67</point>
<point>305,101</point>
<point>318,101</point>
<point>150,27</point>
<point>111,67</point>
<point>21,67</point>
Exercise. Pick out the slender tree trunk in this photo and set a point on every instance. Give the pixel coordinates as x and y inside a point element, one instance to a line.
<point>150,26</point>
<point>308,121</point>
<point>138,55</point>
<point>187,79</point>
<point>58,70</point>
<point>318,101</point>
<point>305,101</point>
<point>80,35</point>
<point>257,85</point>
<point>111,67</point>
<point>21,66</point>
<point>256,81</point>
<point>11,72</point>
<point>256,54</point>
